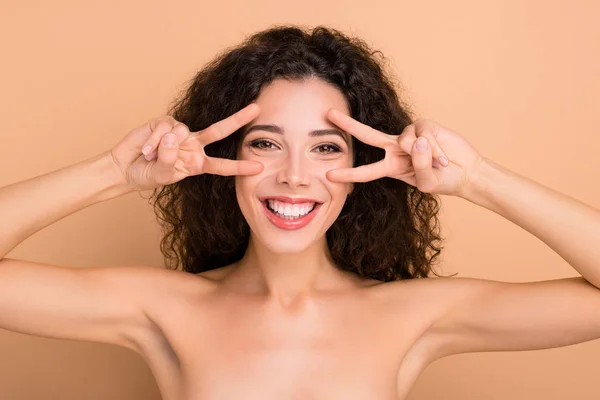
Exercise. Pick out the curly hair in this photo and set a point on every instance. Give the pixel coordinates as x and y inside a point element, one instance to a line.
<point>386,229</point>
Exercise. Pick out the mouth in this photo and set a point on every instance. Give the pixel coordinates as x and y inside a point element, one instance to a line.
<point>287,213</point>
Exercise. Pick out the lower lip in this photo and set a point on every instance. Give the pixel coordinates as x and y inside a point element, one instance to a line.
<point>290,224</point>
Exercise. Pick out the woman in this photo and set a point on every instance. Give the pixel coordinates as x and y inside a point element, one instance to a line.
<point>298,198</point>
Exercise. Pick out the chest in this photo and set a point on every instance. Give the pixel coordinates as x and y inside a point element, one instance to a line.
<point>342,348</point>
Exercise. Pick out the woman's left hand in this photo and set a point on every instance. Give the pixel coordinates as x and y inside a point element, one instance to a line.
<point>405,162</point>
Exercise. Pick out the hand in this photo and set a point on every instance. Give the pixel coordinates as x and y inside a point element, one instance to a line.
<point>403,161</point>
<point>165,164</point>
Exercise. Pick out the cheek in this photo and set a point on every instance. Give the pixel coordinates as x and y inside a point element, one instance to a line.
<point>244,189</point>
<point>338,191</point>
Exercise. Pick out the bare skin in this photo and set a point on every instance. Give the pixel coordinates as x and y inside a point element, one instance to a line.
<point>358,340</point>
<point>285,322</point>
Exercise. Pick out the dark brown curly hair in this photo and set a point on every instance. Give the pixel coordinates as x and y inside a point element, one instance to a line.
<point>386,228</point>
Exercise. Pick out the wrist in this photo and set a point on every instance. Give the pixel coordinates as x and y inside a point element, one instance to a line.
<point>117,182</point>
<point>478,187</point>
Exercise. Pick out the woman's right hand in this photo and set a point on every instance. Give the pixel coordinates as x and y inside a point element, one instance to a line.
<point>164,164</point>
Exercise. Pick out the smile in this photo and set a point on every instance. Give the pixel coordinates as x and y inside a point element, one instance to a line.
<point>290,216</point>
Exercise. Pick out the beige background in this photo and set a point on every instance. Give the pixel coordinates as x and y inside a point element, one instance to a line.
<point>519,79</point>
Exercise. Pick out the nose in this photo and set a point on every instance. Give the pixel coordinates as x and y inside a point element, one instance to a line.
<point>294,171</point>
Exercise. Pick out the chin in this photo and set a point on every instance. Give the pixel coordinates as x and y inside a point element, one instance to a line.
<point>287,247</point>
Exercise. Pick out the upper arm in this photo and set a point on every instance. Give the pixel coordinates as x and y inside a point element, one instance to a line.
<point>101,304</point>
<point>483,315</point>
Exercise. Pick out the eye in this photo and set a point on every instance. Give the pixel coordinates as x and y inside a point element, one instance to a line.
<point>329,148</point>
<point>261,144</point>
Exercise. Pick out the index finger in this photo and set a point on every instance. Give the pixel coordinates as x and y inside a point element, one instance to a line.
<point>362,132</point>
<point>363,173</point>
<point>227,167</point>
<point>227,126</point>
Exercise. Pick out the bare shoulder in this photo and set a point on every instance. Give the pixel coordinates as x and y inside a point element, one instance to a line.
<point>151,279</point>
<point>416,305</point>
<point>422,291</point>
<point>162,294</point>
<point>429,292</point>
<point>158,289</point>
<point>217,274</point>
<point>462,315</point>
<point>430,299</point>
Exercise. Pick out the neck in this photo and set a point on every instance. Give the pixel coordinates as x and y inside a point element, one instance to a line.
<point>286,277</point>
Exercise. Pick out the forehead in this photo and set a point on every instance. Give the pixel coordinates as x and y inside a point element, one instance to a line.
<point>288,100</point>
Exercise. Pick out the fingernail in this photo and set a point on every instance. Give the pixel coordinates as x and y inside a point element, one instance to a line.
<point>170,140</point>
<point>146,149</point>
<point>444,161</point>
<point>421,144</point>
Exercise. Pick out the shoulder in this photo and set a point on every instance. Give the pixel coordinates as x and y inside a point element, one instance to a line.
<point>165,295</point>
<point>424,301</point>
<point>152,278</point>
<point>414,306</point>
<point>215,275</point>
<point>158,289</point>
<point>431,290</point>
<point>431,298</point>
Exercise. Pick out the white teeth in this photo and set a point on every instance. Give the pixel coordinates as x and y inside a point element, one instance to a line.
<point>290,210</point>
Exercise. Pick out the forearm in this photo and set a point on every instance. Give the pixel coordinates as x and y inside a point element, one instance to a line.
<point>30,205</point>
<point>570,227</point>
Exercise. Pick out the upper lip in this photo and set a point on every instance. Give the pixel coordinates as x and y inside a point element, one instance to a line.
<point>291,200</point>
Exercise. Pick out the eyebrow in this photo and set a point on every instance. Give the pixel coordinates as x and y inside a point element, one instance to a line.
<point>279,130</point>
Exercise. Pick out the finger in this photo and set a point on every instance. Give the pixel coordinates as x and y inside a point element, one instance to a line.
<point>362,132</point>
<point>421,159</point>
<point>227,126</point>
<point>364,173</point>
<point>162,169</point>
<point>407,138</point>
<point>424,128</point>
<point>159,128</point>
<point>180,130</point>
<point>227,167</point>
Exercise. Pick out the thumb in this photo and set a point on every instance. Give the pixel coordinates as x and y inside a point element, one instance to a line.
<point>168,151</point>
<point>421,160</point>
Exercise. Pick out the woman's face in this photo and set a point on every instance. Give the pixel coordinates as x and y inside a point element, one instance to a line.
<point>295,160</point>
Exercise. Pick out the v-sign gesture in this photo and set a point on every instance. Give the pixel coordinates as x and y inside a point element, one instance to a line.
<point>164,151</point>
<point>405,161</point>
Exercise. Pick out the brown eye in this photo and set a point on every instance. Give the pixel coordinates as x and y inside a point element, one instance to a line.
<point>261,144</point>
<point>329,148</point>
